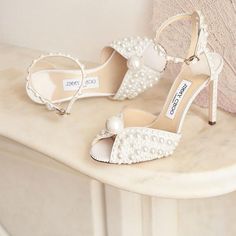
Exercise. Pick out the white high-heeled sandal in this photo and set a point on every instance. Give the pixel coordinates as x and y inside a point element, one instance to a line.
<point>129,67</point>
<point>136,136</point>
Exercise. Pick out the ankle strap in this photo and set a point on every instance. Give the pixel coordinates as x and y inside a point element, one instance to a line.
<point>77,93</point>
<point>49,104</point>
<point>67,109</point>
<point>198,39</point>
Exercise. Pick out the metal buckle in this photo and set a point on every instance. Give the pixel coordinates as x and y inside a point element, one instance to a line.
<point>191,59</point>
<point>61,111</point>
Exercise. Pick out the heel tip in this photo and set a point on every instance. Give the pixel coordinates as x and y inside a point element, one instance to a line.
<point>211,122</point>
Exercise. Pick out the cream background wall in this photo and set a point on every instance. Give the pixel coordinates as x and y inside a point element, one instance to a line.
<point>80,27</point>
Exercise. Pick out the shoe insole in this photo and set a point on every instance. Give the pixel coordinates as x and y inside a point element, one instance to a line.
<point>57,85</point>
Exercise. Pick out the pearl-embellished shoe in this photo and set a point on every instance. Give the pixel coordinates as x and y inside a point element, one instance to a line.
<point>137,136</point>
<point>129,67</point>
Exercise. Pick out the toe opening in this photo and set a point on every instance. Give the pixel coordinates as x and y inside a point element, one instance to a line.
<point>101,151</point>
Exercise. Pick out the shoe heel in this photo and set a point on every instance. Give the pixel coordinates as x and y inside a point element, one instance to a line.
<point>213,101</point>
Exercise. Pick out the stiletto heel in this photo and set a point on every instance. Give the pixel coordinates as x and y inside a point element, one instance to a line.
<point>216,64</point>
<point>213,101</point>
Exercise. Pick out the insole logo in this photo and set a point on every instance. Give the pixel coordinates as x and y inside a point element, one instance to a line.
<point>177,98</point>
<point>74,84</point>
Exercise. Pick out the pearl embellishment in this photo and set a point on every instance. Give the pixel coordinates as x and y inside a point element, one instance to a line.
<point>134,62</point>
<point>114,125</point>
<point>143,144</point>
<point>139,76</point>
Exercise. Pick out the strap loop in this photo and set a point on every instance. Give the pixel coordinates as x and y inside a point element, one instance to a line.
<point>191,59</point>
<point>197,29</point>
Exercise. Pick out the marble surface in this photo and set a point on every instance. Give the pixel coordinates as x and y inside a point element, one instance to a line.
<point>55,200</point>
<point>203,165</point>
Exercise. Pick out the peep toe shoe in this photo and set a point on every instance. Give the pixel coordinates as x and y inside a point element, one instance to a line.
<point>135,136</point>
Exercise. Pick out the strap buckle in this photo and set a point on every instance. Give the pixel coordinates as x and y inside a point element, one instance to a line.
<point>61,111</point>
<point>192,59</point>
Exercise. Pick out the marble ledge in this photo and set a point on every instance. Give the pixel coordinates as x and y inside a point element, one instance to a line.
<point>203,165</point>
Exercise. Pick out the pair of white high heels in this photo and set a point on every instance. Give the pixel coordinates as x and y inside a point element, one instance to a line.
<point>129,67</point>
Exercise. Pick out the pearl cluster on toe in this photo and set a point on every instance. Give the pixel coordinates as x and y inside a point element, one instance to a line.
<point>139,76</point>
<point>135,145</point>
<point>114,126</point>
